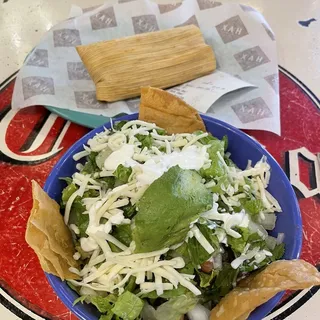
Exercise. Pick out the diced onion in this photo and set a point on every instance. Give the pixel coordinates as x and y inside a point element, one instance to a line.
<point>271,242</point>
<point>199,312</point>
<point>280,238</point>
<point>269,221</point>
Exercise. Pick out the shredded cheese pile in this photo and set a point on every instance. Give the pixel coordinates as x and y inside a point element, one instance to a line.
<point>147,165</point>
<point>109,271</point>
<point>260,177</point>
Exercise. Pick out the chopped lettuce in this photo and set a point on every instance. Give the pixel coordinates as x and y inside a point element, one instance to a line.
<point>192,251</point>
<point>226,142</point>
<point>129,211</point>
<point>182,252</point>
<point>148,312</point>
<point>77,218</point>
<point>248,191</point>
<point>216,168</point>
<point>131,284</point>
<point>277,254</point>
<point>161,132</point>
<point>119,124</point>
<point>187,269</point>
<point>114,248</point>
<point>128,306</point>
<point>107,182</point>
<point>73,287</point>
<point>108,316</point>
<point>103,304</point>
<point>238,244</point>
<point>81,299</point>
<point>206,140</point>
<point>229,162</point>
<point>210,139</point>
<point>68,180</point>
<point>207,278</point>
<point>168,294</point>
<point>146,140</point>
<point>76,213</point>
<point>252,206</point>
<point>216,146</point>
<point>67,192</point>
<point>225,281</point>
<point>197,253</point>
<point>168,207</point>
<point>210,236</point>
<point>123,233</point>
<point>90,194</point>
<point>176,307</point>
<point>122,173</point>
<point>221,185</point>
<point>90,165</point>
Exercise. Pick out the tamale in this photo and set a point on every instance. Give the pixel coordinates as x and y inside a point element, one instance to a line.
<point>162,59</point>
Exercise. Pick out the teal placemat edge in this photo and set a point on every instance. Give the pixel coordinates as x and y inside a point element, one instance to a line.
<point>85,119</point>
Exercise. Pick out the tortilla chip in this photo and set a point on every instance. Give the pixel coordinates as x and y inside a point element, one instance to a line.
<point>49,237</point>
<point>46,265</point>
<point>168,112</point>
<point>260,287</point>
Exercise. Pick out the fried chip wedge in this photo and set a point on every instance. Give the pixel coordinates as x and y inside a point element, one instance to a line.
<point>49,237</point>
<point>168,112</point>
<point>258,288</point>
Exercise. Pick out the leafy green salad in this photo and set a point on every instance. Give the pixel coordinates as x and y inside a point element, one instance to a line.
<point>165,225</point>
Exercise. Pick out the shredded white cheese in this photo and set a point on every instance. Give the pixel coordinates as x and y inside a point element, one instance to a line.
<point>202,240</point>
<point>109,271</point>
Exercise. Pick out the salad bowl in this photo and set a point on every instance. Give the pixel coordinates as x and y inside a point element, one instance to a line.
<point>242,148</point>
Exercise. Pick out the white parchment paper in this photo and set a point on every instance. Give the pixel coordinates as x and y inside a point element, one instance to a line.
<point>243,92</point>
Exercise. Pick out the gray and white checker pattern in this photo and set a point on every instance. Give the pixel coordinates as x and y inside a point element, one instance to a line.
<point>242,40</point>
<point>39,58</point>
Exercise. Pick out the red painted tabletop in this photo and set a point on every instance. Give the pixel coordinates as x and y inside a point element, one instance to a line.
<point>32,140</point>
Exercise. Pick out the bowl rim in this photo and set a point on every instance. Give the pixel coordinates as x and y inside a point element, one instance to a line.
<point>262,310</point>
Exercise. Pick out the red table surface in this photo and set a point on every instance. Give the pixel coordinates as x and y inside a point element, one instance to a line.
<point>27,138</point>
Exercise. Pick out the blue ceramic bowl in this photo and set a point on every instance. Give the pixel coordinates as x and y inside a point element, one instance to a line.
<point>242,148</point>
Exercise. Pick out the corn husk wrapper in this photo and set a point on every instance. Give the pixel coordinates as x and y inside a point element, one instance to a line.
<point>49,237</point>
<point>258,288</point>
<point>168,112</point>
<point>119,68</point>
